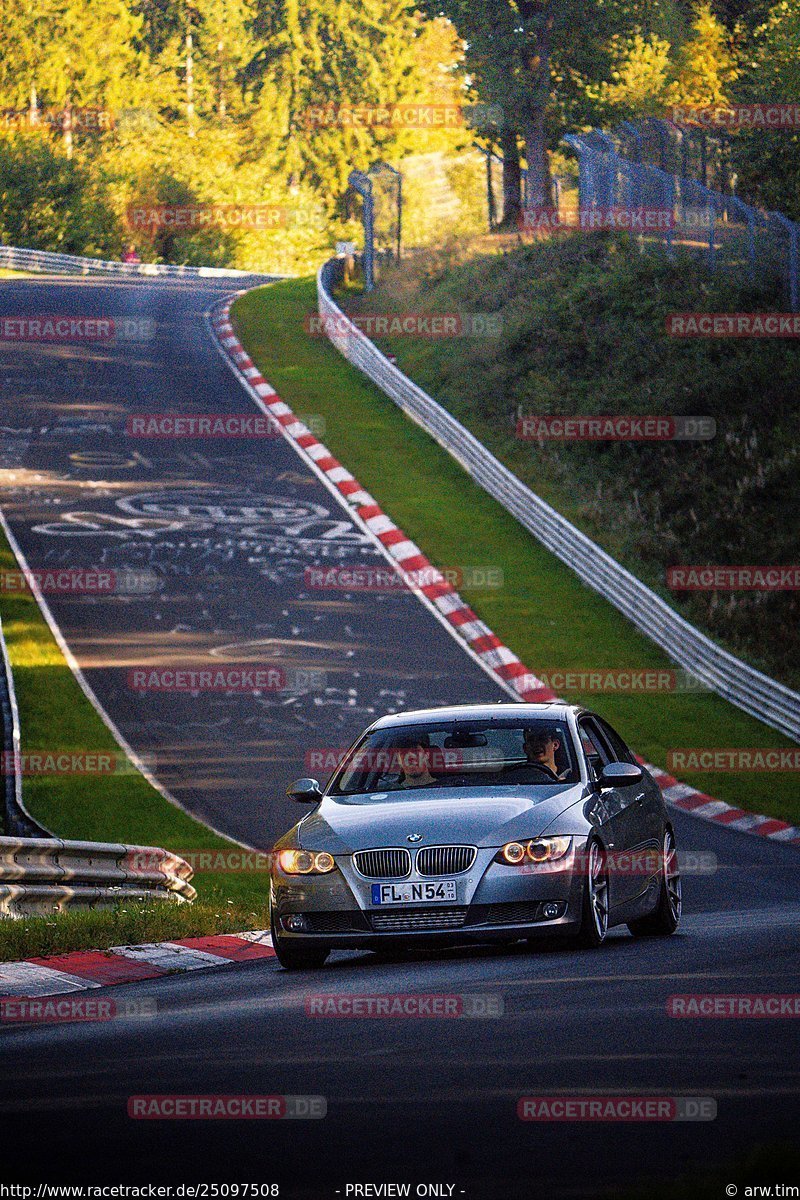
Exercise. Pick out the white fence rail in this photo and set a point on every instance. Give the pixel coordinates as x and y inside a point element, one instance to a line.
<point>747,688</point>
<point>15,259</point>
<point>41,875</point>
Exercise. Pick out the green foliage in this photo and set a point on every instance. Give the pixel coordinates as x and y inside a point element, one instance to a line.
<point>240,101</point>
<point>583,333</point>
<point>706,64</point>
<point>769,161</point>
<point>543,611</point>
<point>51,202</point>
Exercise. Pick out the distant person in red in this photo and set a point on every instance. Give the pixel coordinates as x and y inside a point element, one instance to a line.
<point>131,254</point>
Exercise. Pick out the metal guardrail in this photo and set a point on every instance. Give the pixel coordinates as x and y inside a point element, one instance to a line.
<point>16,819</point>
<point>41,875</point>
<point>15,259</point>
<point>736,681</point>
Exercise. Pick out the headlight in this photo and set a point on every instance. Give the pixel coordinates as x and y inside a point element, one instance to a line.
<point>512,854</point>
<point>304,862</point>
<point>538,850</point>
<point>548,849</point>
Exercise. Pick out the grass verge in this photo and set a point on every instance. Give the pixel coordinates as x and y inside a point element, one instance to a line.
<point>127,925</point>
<point>542,610</point>
<point>580,329</point>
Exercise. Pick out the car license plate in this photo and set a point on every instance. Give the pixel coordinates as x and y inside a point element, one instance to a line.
<point>411,893</point>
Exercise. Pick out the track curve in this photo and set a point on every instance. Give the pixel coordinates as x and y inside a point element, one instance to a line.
<point>408,1100</point>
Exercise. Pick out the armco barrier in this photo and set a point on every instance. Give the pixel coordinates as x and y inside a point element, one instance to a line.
<point>40,875</point>
<point>16,819</point>
<point>14,259</point>
<point>750,690</point>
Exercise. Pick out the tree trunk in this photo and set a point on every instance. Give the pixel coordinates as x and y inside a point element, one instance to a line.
<point>512,180</point>
<point>539,191</point>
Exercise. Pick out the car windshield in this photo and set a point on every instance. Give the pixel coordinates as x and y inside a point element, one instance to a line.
<point>451,754</point>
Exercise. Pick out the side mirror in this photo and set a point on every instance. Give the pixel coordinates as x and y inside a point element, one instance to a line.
<point>620,774</point>
<point>304,791</point>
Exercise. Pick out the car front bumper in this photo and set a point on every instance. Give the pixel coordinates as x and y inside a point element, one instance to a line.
<point>498,904</point>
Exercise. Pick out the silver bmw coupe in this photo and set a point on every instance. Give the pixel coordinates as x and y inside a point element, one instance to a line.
<point>475,823</point>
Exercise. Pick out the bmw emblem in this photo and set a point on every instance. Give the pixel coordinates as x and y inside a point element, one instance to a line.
<point>414,837</point>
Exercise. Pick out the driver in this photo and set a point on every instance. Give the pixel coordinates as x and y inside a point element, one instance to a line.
<point>542,743</point>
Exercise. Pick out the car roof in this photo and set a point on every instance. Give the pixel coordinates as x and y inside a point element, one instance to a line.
<point>554,709</point>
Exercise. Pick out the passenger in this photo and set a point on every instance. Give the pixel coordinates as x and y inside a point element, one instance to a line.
<point>414,755</point>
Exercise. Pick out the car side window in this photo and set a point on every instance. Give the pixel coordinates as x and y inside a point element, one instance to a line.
<point>622,753</point>
<point>597,755</point>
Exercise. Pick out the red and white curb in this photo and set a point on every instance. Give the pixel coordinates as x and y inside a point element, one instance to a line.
<point>82,969</point>
<point>477,637</point>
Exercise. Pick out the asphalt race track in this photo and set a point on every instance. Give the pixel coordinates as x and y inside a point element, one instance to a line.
<point>224,531</point>
<point>416,1100</point>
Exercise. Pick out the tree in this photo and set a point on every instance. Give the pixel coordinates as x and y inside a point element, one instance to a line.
<point>321,59</point>
<point>706,65</point>
<point>640,80</point>
<point>768,161</point>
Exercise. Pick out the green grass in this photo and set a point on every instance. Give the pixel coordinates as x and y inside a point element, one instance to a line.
<point>118,807</point>
<point>584,333</point>
<point>542,612</point>
<point>129,924</point>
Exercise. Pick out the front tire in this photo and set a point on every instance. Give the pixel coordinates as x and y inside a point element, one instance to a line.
<point>594,922</point>
<point>666,916</point>
<point>297,958</point>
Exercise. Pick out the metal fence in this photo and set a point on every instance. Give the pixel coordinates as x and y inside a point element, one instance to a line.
<point>614,174</point>
<point>13,258</point>
<point>41,875</point>
<point>687,646</point>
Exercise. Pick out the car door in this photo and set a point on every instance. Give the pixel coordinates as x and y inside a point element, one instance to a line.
<point>639,819</point>
<point>625,805</point>
<point>606,805</point>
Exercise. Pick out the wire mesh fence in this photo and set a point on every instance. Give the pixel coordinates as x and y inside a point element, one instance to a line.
<point>619,173</point>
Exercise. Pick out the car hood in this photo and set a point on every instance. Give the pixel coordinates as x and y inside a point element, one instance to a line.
<point>475,816</point>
